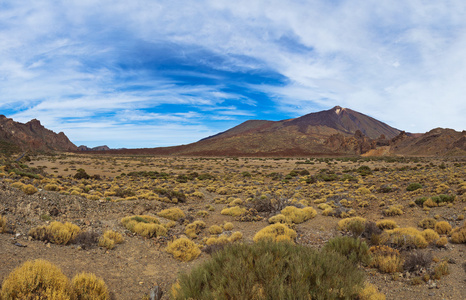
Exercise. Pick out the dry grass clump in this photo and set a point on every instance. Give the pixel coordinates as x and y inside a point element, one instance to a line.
<point>440,270</point>
<point>52,187</point>
<point>458,235</point>
<point>3,224</point>
<point>56,232</point>
<point>408,237</point>
<point>442,242</point>
<point>346,223</point>
<point>193,229</point>
<point>228,226</point>
<point>183,249</point>
<point>38,279</point>
<point>427,223</point>
<point>299,215</point>
<point>110,238</point>
<point>443,227</point>
<point>215,229</point>
<point>29,189</point>
<point>234,211</point>
<point>386,259</point>
<point>370,292</point>
<point>278,219</point>
<point>386,224</point>
<point>394,210</point>
<point>224,239</point>
<point>276,232</point>
<point>87,286</point>
<point>144,225</point>
<point>430,235</point>
<point>173,213</point>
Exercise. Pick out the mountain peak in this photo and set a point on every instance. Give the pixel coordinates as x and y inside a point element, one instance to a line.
<point>338,109</point>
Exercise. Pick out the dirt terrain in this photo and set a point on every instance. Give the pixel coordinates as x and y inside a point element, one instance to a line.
<point>132,268</point>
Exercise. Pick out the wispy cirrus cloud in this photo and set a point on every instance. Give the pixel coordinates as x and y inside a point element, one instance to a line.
<point>201,67</point>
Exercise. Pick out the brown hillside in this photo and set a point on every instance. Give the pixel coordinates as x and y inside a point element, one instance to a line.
<point>438,141</point>
<point>33,136</point>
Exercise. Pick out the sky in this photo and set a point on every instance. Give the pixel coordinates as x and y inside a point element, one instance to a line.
<point>156,73</point>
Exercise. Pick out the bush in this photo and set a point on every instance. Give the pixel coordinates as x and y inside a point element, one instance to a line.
<point>215,229</point>
<point>440,270</point>
<point>299,215</point>
<point>394,210</point>
<point>235,211</point>
<point>370,293</point>
<point>172,213</point>
<point>416,260</point>
<point>3,225</point>
<point>386,224</point>
<point>183,249</point>
<point>276,232</point>
<point>51,187</point>
<point>404,238</point>
<point>56,232</point>
<point>86,286</point>
<point>193,229</point>
<point>430,235</point>
<point>354,249</point>
<point>355,225</point>
<point>144,225</point>
<point>109,239</point>
<point>29,189</point>
<point>458,235</point>
<point>228,226</point>
<point>278,219</point>
<point>413,186</point>
<point>38,279</point>
<point>268,270</point>
<point>443,227</point>
<point>386,259</point>
<point>427,223</point>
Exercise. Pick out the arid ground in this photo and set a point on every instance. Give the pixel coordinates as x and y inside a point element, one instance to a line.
<point>404,190</point>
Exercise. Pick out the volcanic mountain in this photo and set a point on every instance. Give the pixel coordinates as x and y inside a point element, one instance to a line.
<point>32,136</point>
<point>338,131</point>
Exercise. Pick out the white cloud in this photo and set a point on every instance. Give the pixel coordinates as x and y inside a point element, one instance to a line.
<point>403,63</point>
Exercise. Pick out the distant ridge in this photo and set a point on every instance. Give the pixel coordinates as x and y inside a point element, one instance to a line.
<point>33,136</point>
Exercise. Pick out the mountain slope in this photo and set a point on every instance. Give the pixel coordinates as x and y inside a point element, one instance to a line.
<point>33,136</point>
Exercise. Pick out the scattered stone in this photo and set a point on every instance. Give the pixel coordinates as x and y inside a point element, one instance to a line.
<point>452,261</point>
<point>19,245</point>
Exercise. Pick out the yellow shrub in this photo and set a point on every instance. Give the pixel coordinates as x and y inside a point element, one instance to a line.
<point>51,187</point>
<point>430,235</point>
<point>394,210</point>
<point>323,206</point>
<point>228,226</point>
<point>38,279</point>
<point>458,235</point>
<point>386,224</point>
<point>106,242</point>
<point>344,224</point>
<point>235,202</point>
<point>237,235</point>
<point>234,211</point>
<point>363,191</point>
<point>370,293</point>
<point>17,185</point>
<point>429,203</point>
<point>144,225</point>
<point>86,286</point>
<point>405,237</point>
<point>56,232</point>
<point>183,249</point>
<point>441,242</point>
<point>277,219</point>
<point>443,227</point>
<point>276,232</point>
<point>3,224</point>
<point>29,189</point>
<point>215,229</point>
<point>386,259</point>
<point>193,229</point>
<point>173,213</point>
<point>221,240</point>
<point>427,223</point>
<point>299,215</point>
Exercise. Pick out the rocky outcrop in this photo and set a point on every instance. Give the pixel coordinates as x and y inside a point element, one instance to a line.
<point>33,136</point>
<point>98,148</point>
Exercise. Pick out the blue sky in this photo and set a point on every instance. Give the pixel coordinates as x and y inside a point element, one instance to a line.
<point>160,73</point>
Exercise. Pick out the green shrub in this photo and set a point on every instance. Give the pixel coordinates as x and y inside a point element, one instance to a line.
<point>268,270</point>
<point>354,249</point>
<point>413,186</point>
